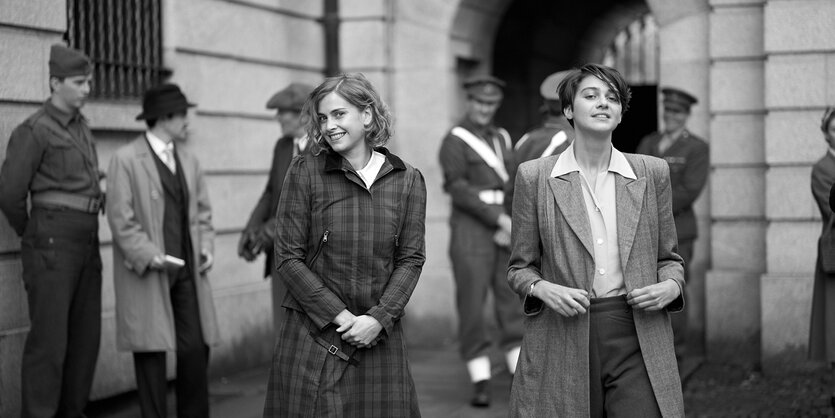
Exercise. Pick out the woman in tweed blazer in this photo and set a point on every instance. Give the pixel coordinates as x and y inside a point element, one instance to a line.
<point>593,254</point>
<point>350,248</point>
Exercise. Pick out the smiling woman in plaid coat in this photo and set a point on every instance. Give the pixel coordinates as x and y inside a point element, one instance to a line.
<point>350,248</point>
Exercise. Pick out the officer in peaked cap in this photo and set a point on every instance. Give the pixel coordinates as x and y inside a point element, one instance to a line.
<point>475,157</point>
<point>51,160</point>
<point>552,137</point>
<point>258,235</point>
<point>687,156</point>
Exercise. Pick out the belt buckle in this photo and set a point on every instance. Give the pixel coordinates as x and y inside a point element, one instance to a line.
<point>333,349</point>
<point>94,205</point>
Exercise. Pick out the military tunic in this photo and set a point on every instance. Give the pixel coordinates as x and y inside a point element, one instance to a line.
<point>52,152</point>
<point>478,263</point>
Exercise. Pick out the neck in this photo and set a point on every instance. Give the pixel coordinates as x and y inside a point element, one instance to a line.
<point>675,133</point>
<point>161,134</point>
<point>358,157</point>
<point>62,105</point>
<point>593,152</point>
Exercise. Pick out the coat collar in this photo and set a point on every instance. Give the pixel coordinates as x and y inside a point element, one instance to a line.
<point>334,161</point>
<point>567,163</point>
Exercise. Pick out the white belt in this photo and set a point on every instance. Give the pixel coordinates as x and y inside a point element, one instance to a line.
<point>491,197</point>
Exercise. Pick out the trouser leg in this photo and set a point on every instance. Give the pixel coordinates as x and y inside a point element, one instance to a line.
<point>192,352</point>
<point>151,383</point>
<point>473,273</point>
<point>508,305</point>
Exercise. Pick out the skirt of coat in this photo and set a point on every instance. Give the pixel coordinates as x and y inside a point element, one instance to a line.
<point>822,332</point>
<point>307,381</point>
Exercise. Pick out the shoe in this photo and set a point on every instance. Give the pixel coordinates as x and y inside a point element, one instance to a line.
<point>481,398</point>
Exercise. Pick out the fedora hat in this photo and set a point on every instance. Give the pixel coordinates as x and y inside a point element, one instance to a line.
<point>162,100</point>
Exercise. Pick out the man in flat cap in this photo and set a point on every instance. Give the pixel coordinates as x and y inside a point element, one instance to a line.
<point>475,156</point>
<point>51,159</point>
<point>259,233</point>
<point>687,156</point>
<point>551,138</point>
<point>159,213</point>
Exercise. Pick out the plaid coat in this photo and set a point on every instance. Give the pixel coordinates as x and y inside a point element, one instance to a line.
<point>342,246</point>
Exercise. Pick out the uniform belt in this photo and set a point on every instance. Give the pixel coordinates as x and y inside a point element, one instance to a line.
<point>491,197</point>
<point>334,350</point>
<point>78,202</point>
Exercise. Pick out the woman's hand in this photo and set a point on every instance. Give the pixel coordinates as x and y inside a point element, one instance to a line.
<point>566,301</point>
<point>363,332</point>
<point>654,297</point>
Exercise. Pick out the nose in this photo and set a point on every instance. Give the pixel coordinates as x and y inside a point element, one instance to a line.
<point>85,87</point>
<point>330,124</point>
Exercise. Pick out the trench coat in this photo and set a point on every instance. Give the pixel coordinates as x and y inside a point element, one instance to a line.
<point>135,208</point>
<point>552,241</point>
<point>822,327</point>
<point>341,246</point>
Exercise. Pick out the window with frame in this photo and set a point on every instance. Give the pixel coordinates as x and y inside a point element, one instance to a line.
<point>123,39</point>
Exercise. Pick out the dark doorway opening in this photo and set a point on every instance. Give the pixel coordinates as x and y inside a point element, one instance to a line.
<point>640,120</point>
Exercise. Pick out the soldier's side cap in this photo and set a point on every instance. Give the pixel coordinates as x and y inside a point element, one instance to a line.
<point>162,100</point>
<point>291,97</point>
<point>68,62</point>
<point>678,98</point>
<point>484,87</point>
<point>548,88</point>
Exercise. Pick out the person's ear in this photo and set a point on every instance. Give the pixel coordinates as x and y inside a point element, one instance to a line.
<point>367,116</point>
<point>568,112</point>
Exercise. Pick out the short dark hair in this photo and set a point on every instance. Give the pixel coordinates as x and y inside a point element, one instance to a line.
<point>568,87</point>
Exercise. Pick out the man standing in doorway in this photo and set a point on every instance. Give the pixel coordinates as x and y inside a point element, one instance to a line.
<point>259,233</point>
<point>159,212</point>
<point>474,157</point>
<point>687,156</point>
<point>51,158</point>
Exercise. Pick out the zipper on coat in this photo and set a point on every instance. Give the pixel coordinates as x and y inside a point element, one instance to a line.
<point>319,248</point>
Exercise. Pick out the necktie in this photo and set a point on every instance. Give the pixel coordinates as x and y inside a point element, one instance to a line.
<point>168,152</point>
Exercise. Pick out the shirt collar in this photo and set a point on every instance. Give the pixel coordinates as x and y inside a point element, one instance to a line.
<point>157,144</point>
<point>62,117</point>
<point>567,163</point>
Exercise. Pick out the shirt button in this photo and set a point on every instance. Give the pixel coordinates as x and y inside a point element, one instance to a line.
<point>601,271</point>
<point>600,241</point>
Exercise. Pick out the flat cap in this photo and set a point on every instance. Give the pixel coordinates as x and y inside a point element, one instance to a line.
<point>678,98</point>
<point>291,97</point>
<point>548,88</point>
<point>485,87</point>
<point>68,62</point>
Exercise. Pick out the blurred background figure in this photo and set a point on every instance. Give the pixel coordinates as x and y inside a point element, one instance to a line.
<point>158,209</point>
<point>822,334</point>
<point>555,134</point>
<point>259,233</point>
<point>475,156</point>
<point>350,249</point>
<point>688,158</point>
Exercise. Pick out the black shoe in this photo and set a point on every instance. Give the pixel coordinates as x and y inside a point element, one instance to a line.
<point>481,398</point>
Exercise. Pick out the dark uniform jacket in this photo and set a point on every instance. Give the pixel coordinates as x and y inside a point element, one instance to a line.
<point>466,174</point>
<point>50,151</point>
<point>688,158</point>
<point>342,246</point>
<point>535,142</point>
<point>268,203</point>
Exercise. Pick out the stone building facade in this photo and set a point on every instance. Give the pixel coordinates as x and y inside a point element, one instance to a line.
<point>762,69</point>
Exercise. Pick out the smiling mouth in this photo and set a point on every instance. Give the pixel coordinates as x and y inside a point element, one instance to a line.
<point>601,116</point>
<point>336,136</point>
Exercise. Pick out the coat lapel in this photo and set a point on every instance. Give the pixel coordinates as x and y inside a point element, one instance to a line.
<point>568,194</point>
<point>143,154</point>
<point>629,197</point>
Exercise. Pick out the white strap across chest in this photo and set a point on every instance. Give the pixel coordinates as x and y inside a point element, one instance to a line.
<point>558,139</point>
<point>493,158</point>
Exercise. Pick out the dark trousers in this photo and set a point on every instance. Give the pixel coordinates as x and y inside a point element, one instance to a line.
<point>192,384</point>
<point>62,276</point>
<point>618,378</point>
<point>480,266</point>
<point>679,319</point>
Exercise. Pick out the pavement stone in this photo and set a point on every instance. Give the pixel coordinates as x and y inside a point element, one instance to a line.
<point>711,390</point>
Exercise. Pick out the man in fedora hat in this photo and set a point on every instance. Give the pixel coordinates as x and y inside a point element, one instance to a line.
<point>687,156</point>
<point>51,159</point>
<point>258,235</point>
<point>159,213</point>
<point>475,156</point>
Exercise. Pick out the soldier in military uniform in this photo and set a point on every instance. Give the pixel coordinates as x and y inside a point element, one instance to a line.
<point>551,138</point>
<point>687,156</point>
<point>475,156</point>
<point>259,232</point>
<point>51,159</point>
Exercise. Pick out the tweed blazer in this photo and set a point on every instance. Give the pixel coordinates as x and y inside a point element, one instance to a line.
<point>135,208</point>
<point>552,241</point>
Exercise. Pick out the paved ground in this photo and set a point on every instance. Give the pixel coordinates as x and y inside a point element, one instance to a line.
<point>711,390</point>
